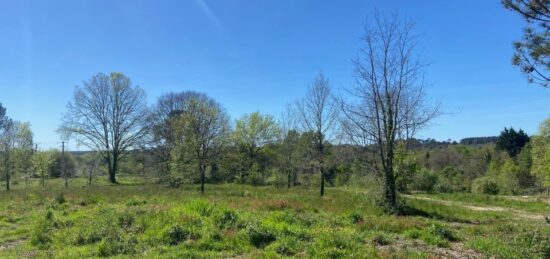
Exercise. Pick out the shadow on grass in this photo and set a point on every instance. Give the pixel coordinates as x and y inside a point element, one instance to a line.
<point>405,209</point>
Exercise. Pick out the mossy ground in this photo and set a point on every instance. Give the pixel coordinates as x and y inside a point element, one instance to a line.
<point>144,220</point>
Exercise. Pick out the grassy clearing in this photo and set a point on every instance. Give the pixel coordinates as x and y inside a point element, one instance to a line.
<point>147,220</point>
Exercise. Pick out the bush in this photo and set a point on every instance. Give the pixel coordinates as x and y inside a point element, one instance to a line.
<point>226,219</point>
<point>176,182</point>
<point>41,235</point>
<point>60,198</point>
<point>485,185</point>
<point>425,181</point>
<point>355,217</point>
<point>115,245</point>
<point>259,236</point>
<point>176,234</point>
<point>436,234</point>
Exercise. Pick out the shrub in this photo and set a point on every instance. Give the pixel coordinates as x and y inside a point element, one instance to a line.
<point>381,239</point>
<point>435,234</point>
<point>287,246</point>
<point>41,235</point>
<point>176,234</point>
<point>259,236</point>
<point>176,182</point>
<point>60,198</point>
<point>425,181</point>
<point>485,185</point>
<point>115,245</point>
<point>226,219</point>
<point>355,217</point>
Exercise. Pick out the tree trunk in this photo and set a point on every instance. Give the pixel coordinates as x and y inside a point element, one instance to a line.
<point>90,175</point>
<point>202,169</point>
<point>8,181</point>
<point>322,181</point>
<point>7,171</point>
<point>112,171</point>
<point>289,176</point>
<point>389,185</point>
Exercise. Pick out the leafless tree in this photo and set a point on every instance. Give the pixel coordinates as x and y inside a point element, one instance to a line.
<point>388,101</point>
<point>318,114</point>
<point>107,114</point>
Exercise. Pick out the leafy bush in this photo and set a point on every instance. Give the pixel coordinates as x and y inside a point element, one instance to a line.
<point>485,185</point>
<point>41,235</point>
<point>176,182</point>
<point>425,181</point>
<point>287,246</point>
<point>259,236</point>
<point>115,245</point>
<point>60,198</point>
<point>176,234</point>
<point>435,234</point>
<point>226,219</point>
<point>355,217</point>
<point>381,239</point>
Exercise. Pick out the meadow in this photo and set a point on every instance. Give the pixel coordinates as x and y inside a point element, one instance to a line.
<point>141,219</point>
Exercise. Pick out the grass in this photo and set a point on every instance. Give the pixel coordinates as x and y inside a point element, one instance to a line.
<point>141,219</point>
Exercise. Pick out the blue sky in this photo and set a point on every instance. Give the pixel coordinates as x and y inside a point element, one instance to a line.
<point>258,55</point>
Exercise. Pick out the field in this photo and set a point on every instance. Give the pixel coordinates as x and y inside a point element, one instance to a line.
<point>137,219</point>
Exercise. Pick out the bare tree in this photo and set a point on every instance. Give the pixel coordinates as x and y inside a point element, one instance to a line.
<point>387,102</point>
<point>107,114</point>
<point>318,115</point>
<point>204,127</point>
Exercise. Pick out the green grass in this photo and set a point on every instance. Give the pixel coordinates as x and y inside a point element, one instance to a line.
<point>144,220</point>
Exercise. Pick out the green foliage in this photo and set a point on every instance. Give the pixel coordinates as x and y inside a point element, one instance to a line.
<point>532,50</point>
<point>238,220</point>
<point>541,153</point>
<point>425,180</point>
<point>485,185</point>
<point>60,198</point>
<point>259,236</point>
<point>512,141</point>
<point>435,234</point>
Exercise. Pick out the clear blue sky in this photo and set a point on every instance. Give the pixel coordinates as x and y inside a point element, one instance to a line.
<point>258,55</point>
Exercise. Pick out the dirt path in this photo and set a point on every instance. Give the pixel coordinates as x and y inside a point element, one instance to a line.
<point>518,213</point>
<point>10,244</point>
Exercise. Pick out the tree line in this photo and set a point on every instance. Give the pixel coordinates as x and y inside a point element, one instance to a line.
<point>322,138</point>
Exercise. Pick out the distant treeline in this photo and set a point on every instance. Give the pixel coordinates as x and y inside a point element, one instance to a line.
<point>479,140</point>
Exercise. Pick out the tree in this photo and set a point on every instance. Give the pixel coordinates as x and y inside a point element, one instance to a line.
<point>23,150</point>
<point>290,144</point>
<point>512,141</point>
<point>318,115</point>
<point>109,115</point>
<point>388,101</point>
<point>41,162</point>
<point>204,127</point>
<point>16,142</point>
<point>252,133</point>
<point>164,134</point>
<point>540,151</point>
<point>532,53</point>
